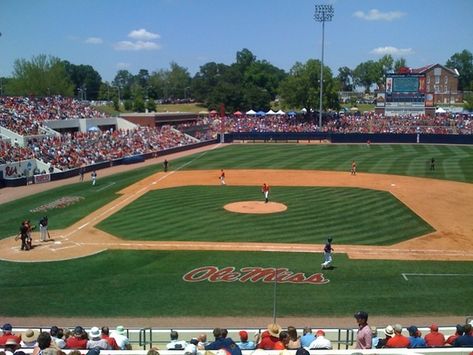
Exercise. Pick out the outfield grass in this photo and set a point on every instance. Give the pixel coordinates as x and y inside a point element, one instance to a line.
<point>452,162</point>
<point>196,213</point>
<point>149,283</point>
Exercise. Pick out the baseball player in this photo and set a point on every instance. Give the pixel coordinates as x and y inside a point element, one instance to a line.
<point>43,229</point>
<point>222,177</point>
<point>265,191</point>
<point>353,167</point>
<point>327,254</point>
<point>94,177</point>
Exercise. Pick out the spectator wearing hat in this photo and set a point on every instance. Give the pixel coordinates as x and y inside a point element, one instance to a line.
<point>111,341</point>
<point>458,333</point>
<point>96,340</point>
<point>78,340</point>
<point>363,335</point>
<point>307,337</point>
<point>389,333</point>
<point>119,334</point>
<point>7,334</point>
<point>202,341</point>
<point>175,343</point>
<point>28,338</point>
<point>434,338</point>
<point>269,337</point>
<point>57,335</point>
<point>467,338</point>
<point>320,341</point>
<point>398,340</point>
<point>374,337</point>
<point>244,343</point>
<point>415,338</point>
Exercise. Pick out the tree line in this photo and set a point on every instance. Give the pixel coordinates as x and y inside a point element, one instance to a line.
<point>247,83</point>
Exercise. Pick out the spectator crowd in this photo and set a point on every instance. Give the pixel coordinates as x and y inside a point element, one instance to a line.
<point>26,116</point>
<point>57,340</point>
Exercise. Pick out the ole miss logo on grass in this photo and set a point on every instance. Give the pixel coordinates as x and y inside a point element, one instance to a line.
<point>252,274</point>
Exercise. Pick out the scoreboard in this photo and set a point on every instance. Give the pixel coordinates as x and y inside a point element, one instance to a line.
<point>405,94</point>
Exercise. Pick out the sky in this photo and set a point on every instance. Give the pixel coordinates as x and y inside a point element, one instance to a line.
<point>111,35</point>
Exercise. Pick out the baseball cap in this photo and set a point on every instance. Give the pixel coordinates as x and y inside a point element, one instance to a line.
<point>7,327</point>
<point>320,332</point>
<point>434,327</point>
<point>361,315</point>
<point>243,335</point>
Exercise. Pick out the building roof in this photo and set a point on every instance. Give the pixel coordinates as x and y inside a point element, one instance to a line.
<point>426,68</point>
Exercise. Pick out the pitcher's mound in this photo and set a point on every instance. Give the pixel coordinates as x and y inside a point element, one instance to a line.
<point>255,207</point>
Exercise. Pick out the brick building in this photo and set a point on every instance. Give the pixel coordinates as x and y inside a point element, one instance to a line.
<point>441,85</point>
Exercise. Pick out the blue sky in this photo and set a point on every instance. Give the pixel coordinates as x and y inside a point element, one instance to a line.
<point>149,34</point>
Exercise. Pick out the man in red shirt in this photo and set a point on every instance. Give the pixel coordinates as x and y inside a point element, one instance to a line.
<point>265,191</point>
<point>434,338</point>
<point>78,340</point>
<point>7,334</point>
<point>269,337</point>
<point>111,341</point>
<point>398,340</point>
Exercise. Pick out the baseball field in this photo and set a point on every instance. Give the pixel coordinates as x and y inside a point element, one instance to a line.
<point>145,243</point>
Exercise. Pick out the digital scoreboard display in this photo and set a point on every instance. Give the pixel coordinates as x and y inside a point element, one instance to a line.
<point>406,84</point>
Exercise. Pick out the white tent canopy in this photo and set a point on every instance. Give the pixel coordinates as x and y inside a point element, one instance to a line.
<point>280,112</point>
<point>440,110</point>
<point>270,112</point>
<point>251,112</point>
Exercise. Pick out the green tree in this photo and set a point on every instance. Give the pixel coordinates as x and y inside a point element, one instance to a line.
<point>463,62</point>
<point>345,79</point>
<point>84,78</point>
<point>178,80</point>
<point>123,81</point>
<point>41,76</point>
<point>399,63</point>
<point>366,74</point>
<point>302,87</point>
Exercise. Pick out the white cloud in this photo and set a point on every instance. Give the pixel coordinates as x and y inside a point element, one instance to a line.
<point>136,46</point>
<point>94,40</point>
<point>376,15</point>
<point>122,65</point>
<point>392,51</point>
<point>143,35</point>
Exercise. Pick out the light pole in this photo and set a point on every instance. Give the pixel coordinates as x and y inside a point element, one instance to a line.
<point>323,13</point>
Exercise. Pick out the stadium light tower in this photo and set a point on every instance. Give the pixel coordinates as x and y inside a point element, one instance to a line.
<point>323,13</point>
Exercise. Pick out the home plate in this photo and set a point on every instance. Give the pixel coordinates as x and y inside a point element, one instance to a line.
<point>58,242</point>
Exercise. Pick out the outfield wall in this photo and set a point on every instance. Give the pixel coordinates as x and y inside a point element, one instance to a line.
<point>267,137</point>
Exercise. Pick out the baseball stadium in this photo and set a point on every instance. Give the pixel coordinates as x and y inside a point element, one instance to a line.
<point>153,213</point>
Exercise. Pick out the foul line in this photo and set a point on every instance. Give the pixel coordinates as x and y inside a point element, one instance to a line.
<point>106,186</point>
<point>404,275</point>
<point>139,192</point>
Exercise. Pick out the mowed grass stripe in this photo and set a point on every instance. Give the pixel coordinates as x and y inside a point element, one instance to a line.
<point>149,283</point>
<point>399,159</point>
<point>196,213</point>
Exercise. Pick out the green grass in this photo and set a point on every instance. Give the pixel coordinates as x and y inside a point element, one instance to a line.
<point>452,162</point>
<point>149,283</point>
<point>196,213</point>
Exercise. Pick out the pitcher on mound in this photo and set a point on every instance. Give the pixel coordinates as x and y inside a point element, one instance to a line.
<point>265,191</point>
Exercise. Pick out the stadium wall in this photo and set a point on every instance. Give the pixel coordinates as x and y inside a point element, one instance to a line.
<point>347,138</point>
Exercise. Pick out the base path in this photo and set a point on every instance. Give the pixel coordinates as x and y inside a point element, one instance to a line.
<point>445,205</point>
